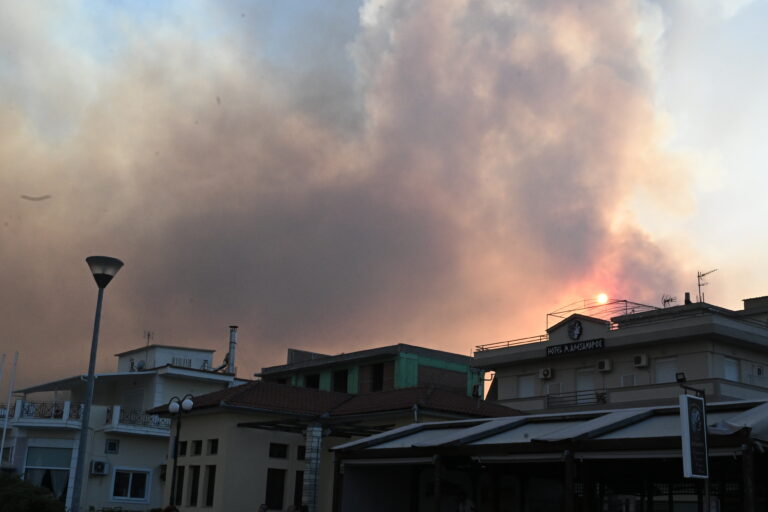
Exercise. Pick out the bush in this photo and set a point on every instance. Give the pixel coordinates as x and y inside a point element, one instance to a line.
<point>16,495</point>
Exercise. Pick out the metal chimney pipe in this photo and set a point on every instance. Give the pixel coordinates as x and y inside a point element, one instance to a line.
<point>231,368</point>
<point>687,297</point>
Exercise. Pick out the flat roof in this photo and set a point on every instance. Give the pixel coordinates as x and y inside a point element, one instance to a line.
<point>366,354</point>
<point>175,347</point>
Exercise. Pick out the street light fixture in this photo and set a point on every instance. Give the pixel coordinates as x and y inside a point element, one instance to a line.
<point>103,269</point>
<point>176,406</point>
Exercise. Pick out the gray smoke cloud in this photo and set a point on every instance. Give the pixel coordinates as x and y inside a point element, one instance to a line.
<point>439,173</point>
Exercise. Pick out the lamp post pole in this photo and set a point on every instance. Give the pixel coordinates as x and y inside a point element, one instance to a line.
<point>176,406</point>
<point>104,269</point>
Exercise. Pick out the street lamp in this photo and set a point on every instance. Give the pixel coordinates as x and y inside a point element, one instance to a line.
<point>175,406</point>
<point>103,269</point>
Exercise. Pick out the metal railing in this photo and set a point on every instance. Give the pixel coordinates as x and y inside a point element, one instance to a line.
<point>7,411</point>
<point>50,410</point>
<point>511,343</point>
<point>138,418</point>
<point>576,398</point>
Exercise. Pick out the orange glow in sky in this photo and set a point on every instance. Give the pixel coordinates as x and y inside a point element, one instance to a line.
<point>602,298</point>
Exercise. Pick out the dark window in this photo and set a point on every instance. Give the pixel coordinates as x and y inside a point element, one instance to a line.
<point>298,489</point>
<point>179,484</point>
<point>312,381</point>
<point>130,485</point>
<point>377,377</point>
<point>213,446</point>
<point>340,381</point>
<point>301,452</point>
<point>275,488</point>
<point>197,447</point>
<point>182,448</point>
<point>112,446</point>
<point>278,450</point>
<point>194,483</point>
<point>210,484</point>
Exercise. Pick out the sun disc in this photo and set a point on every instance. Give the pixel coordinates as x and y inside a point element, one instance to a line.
<point>602,298</point>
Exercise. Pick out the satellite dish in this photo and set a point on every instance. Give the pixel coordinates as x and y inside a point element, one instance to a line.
<point>141,365</point>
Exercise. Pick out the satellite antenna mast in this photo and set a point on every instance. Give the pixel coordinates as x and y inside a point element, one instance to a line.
<point>701,276</point>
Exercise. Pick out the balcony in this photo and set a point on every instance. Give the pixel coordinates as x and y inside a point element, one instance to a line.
<point>576,399</point>
<point>135,421</point>
<point>44,414</point>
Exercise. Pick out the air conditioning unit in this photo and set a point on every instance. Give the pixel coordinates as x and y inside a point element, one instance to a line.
<point>99,467</point>
<point>546,373</point>
<point>604,365</point>
<point>640,360</point>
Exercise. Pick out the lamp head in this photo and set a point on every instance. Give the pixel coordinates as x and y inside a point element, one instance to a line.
<point>173,407</point>
<point>103,269</point>
<point>187,404</point>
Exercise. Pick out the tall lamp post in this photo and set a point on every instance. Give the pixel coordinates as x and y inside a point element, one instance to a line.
<point>176,406</point>
<point>103,269</point>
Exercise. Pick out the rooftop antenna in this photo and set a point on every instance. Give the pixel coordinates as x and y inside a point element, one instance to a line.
<point>666,300</point>
<point>701,276</point>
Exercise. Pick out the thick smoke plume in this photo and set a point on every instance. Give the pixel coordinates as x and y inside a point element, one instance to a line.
<point>443,174</point>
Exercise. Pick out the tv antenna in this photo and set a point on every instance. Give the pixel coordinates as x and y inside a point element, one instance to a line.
<point>701,276</point>
<point>666,300</point>
<point>149,336</point>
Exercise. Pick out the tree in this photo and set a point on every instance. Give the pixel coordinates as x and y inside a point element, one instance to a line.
<point>16,495</point>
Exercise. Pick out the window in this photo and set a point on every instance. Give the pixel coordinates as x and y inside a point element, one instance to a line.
<point>49,468</point>
<point>298,489</point>
<point>275,488</point>
<point>182,361</point>
<point>197,447</point>
<point>627,381</point>
<point>526,386</point>
<point>179,485</point>
<point>194,483</point>
<point>312,381</point>
<point>665,370</point>
<point>301,452</point>
<point>130,485</point>
<point>377,377</point>
<point>213,446</point>
<point>340,381</point>
<point>7,455</point>
<point>731,369</point>
<point>210,484</point>
<point>112,446</point>
<point>553,388</point>
<point>278,450</point>
<point>182,448</point>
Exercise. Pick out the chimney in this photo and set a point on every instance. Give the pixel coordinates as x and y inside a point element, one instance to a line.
<point>231,368</point>
<point>687,297</point>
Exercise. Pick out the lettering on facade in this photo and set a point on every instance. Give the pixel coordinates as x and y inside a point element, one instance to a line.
<point>576,346</point>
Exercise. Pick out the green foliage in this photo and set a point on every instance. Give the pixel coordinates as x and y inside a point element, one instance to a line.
<point>17,495</point>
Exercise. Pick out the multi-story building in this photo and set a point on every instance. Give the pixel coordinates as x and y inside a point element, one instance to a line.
<point>126,451</point>
<point>267,441</point>
<point>633,358</point>
<point>379,369</point>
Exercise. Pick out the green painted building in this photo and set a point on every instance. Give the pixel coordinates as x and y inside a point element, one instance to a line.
<point>378,369</point>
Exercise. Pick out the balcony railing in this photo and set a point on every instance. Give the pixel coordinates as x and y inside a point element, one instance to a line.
<point>135,418</point>
<point>7,411</point>
<point>577,398</point>
<point>48,410</point>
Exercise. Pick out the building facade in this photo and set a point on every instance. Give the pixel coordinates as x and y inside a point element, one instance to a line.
<point>126,459</point>
<point>634,359</point>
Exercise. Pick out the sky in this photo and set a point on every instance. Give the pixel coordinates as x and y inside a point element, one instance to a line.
<point>335,176</point>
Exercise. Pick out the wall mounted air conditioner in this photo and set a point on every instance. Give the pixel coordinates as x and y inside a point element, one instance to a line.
<point>604,365</point>
<point>99,467</point>
<point>546,373</point>
<point>640,360</point>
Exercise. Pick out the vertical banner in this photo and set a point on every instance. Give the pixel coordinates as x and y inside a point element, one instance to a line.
<point>693,430</point>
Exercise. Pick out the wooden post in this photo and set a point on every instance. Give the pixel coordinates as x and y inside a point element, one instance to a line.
<point>437,464</point>
<point>569,483</point>
<point>748,477</point>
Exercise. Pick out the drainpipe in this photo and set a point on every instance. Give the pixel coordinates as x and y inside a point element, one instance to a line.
<point>314,440</point>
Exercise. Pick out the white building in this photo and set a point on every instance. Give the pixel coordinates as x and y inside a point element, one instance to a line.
<point>127,448</point>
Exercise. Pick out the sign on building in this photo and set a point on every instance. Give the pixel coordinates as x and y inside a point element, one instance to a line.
<point>576,346</point>
<point>693,429</point>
